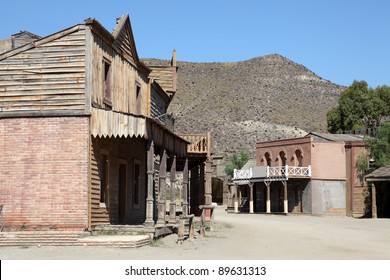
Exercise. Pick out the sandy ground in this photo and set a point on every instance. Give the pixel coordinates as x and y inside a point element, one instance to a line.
<point>244,236</point>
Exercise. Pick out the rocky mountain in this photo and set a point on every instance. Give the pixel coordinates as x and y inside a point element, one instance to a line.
<point>241,103</point>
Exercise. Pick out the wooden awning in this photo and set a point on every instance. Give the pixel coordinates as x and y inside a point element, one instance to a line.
<point>107,123</point>
<point>381,174</point>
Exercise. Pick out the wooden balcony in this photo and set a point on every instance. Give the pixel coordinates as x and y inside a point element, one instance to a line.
<point>267,173</point>
<point>200,143</point>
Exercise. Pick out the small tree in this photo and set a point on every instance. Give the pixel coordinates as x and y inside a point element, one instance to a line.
<point>362,166</point>
<point>236,162</point>
<point>380,146</point>
<point>359,106</point>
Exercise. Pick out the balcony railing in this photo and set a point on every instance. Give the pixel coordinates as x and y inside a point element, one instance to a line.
<point>200,143</point>
<point>243,173</point>
<point>262,172</point>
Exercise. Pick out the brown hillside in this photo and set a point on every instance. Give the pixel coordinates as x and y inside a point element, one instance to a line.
<point>242,103</point>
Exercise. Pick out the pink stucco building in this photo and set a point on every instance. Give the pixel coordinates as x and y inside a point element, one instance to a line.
<point>314,174</point>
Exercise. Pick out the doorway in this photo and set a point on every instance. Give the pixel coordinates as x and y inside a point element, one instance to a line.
<point>383,199</point>
<point>122,193</point>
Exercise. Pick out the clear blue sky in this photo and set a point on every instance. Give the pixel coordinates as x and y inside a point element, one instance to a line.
<point>339,40</point>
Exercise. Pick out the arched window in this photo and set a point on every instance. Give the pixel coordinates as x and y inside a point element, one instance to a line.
<point>283,158</point>
<point>298,158</point>
<point>267,158</point>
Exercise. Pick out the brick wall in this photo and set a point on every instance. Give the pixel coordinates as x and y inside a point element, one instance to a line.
<point>44,173</point>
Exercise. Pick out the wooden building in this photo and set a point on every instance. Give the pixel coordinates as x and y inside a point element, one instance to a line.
<point>85,136</point>
<point>314,174</point>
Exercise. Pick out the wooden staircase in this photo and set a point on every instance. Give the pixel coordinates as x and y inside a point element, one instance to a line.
<point>70,238</point>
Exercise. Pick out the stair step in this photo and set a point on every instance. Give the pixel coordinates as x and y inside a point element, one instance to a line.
<point>71,239</point>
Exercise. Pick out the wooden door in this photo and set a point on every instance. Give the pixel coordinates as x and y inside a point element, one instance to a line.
<point>122,193</point>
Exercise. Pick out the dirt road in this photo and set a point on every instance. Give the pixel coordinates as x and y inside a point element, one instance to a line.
<point>244,236</point>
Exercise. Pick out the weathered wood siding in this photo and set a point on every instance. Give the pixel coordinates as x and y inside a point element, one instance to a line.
<point>165,76</point>
<point>23,38</point>
<point>46,79</point>
<point>124,80</point>
<point>158,105</point>
<point>5,45</point>
<point>361,201</point>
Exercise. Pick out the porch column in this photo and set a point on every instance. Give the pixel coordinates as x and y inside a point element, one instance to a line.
<point>161,189</point>
<point>268,202</point>
<point>285,199</point>
<point>251,198</point>
<point>202,185</point>
<point>207,192</point>
<point>373,201</point>
<point>172,205</point>
<point>185,189</point>
<point>236,199</point>
<point>149,222</point>
<point>195,200</point>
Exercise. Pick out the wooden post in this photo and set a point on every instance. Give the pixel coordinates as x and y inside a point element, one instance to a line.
<point>236,199</point>
<point>373,199</point>
<point>268,202</point>
<point>172,206</point>
<point>203,223</point>
<point>251,209</point>
<point>180,232</point>
<point>161,190</point>
<point>185,189</point>
<point>202,184</point>
<point>149,222</point>
<point>207,192</point>
<point>191,227</point>
<point>208,180</point>
<point>285,199</point>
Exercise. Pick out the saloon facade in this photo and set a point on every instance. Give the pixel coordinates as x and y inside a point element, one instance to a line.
<point>85,136</point>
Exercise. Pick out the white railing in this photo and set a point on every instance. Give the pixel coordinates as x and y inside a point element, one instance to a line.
<point>240,174</point>
<point>277,171</point>
<point>299,171</point>
<point>272,172</point>
<point>289,171</point>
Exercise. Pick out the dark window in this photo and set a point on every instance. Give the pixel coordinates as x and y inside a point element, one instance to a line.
<point>138,99</point>
<point>107,82</point>
<point>298,158</point>
<point>137,90</point>
<point>283,158</point>
<point>268,159</point>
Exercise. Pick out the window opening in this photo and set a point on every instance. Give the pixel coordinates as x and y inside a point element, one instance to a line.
<point>107,82</point>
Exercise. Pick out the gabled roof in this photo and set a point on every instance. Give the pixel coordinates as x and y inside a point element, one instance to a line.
<point>124,38</point>
<point>41,41</point>
<point>121,40</point>
<point>336,137</point>
<point>381,174</point>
